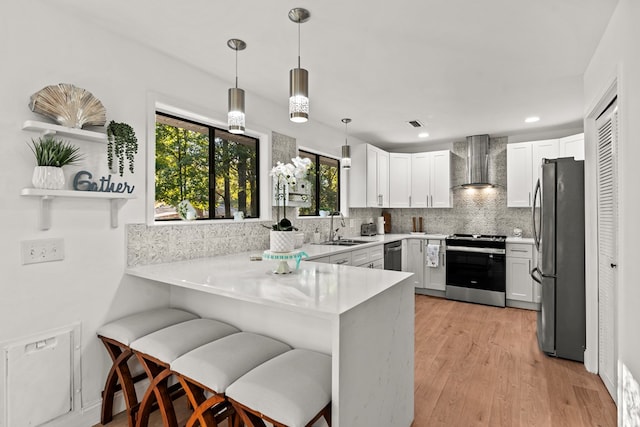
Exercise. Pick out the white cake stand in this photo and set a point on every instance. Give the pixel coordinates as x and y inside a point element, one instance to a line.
<point>282,258</point>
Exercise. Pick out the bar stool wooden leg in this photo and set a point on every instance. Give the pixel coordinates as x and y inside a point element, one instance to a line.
<point>158,391</point>
<point>119,377</point>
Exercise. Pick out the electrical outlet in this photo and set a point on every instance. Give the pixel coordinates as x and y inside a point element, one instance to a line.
<point>42,250</point>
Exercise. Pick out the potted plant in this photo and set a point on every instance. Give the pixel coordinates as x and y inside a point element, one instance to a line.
<point>51,155</point>
<point>285,176</point>
<point>122,143</point>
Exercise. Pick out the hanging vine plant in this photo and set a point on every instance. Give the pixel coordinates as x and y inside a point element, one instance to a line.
<point>122,143</point>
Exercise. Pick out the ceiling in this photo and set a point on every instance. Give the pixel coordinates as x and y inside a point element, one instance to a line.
<point>461,67</point>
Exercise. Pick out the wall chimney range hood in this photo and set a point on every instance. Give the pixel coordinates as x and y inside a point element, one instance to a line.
<point>477,162</point>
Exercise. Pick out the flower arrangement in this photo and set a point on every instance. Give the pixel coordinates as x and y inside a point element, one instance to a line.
<point>287,175</point>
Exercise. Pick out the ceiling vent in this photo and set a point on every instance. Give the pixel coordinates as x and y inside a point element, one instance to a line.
<point>415,123</point>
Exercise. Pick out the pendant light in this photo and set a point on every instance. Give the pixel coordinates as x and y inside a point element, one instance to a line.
<point>235,117</point>
<point>346,150</point>
<point>299,77</point>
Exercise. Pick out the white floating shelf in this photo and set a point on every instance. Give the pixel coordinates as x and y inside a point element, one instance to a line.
<point>47,195</point>
<point>50,129</point>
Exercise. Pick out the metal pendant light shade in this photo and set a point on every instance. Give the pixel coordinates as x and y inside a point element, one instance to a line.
<point>235,116</point>
<point>346,149</point>
<point>298,95</point>
<point>299,77</point>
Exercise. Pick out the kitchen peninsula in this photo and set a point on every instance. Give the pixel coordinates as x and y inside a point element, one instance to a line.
<point>363,317</point>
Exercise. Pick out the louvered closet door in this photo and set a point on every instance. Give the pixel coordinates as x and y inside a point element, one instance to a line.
<point>607,246</point>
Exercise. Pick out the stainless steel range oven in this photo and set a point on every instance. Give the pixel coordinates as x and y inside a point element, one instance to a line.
<point>476,270</point>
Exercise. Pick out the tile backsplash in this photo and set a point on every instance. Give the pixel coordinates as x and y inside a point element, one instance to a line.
<point>474,211</point>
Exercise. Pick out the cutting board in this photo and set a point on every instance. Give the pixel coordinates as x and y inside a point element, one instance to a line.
<point>387,222</point>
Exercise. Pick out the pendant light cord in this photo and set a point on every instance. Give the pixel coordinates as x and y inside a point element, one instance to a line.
<point>298,43</point>
<point>346,133</point>
<point>236,68</point>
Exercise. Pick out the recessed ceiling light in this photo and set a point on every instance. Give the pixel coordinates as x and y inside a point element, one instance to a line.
<point>532,119</point>
<point>423,134</point>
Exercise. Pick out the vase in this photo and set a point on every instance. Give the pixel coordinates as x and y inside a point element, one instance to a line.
<point>48,177</point>
<point>282,241</point>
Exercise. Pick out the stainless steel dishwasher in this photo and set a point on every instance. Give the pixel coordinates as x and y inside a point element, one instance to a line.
<point>393,256</point>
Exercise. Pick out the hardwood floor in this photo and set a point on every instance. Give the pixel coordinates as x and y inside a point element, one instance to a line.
<point>480,366</point>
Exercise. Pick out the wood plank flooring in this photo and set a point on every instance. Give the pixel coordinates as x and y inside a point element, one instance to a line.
<point>480,366</point>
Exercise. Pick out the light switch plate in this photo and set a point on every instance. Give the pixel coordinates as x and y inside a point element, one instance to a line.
<point>42,250</point>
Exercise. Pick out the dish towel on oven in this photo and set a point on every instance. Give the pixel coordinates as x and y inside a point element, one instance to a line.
<point>433,254</point>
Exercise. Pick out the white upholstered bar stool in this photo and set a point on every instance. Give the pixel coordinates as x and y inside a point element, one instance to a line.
<point>158,350</point>
<point>117,337</point>
<point>291,390</point>
<point>210,369</point>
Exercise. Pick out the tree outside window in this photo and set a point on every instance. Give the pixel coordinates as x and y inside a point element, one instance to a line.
<point>216,171</point>
<point>324,176</point>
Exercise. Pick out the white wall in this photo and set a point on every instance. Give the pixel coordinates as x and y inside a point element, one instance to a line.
<point>41,46</point>
<point>617,58</point>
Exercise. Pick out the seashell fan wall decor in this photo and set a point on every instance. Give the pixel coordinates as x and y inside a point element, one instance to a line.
<point>69,106</point>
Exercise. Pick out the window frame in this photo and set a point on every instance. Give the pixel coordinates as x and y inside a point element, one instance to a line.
<point>316,185</point>
<point>180,109</point>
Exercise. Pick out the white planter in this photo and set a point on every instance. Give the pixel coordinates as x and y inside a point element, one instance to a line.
<point>49,177</point>
<point>282,241</point>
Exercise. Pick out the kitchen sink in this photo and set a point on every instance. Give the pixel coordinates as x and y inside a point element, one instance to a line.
<point>344,242</point>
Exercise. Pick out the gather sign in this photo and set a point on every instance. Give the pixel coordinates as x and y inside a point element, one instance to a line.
<point>82,182</point>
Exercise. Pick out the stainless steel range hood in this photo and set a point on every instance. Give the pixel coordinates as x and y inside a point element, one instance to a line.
<point>477,162</point>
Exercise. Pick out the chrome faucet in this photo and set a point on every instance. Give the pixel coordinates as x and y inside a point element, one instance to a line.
<point>332,232</point>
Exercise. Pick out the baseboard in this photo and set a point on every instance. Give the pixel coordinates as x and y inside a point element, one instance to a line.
<point>430,292</point>
<point>522,304</point>
<point>87,416</point>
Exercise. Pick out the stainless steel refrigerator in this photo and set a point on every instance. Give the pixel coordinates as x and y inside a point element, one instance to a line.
<point>558,229</point>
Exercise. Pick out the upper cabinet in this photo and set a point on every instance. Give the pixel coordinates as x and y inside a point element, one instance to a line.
<point>420,180</point>
<point>524,160</point>
<point>369,177</point>
<point>400,180</point>
<point>572,146</point>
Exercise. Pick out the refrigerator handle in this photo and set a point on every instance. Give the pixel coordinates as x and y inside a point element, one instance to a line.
<point>534,276</point>
<point>536,236</point>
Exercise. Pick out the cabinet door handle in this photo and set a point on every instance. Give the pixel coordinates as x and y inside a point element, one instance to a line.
<point>431,200</point>
<point>342,261</point>
<point>409,200</point>
<point>443,260</point>
<point>529,198</point>
<point>519,250</point>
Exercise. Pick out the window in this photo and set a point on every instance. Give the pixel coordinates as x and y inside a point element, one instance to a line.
<point>212,169</point>
<point>324,176</point>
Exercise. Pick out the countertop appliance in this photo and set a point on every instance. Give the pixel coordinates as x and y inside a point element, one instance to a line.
<point>368,229</point>
<point>558,229</point>
<point>476,270</point>
<point>393,256</point>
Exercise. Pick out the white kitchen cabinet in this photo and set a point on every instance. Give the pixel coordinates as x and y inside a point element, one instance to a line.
<point>369,177</point>
<point>523,169</point>
<point>519,166</point>
<point>435,277</point>
<point>371,257</point>
<point>519,262</point>
<point>400,180</point>
<point>415,261</point>
<point>572,146</point>
<point>426,277</point>
<point>440,182</point>
<point>343,258</point>
<point>420,180</point>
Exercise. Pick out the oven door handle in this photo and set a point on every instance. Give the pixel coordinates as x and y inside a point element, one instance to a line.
<point>476,250</point>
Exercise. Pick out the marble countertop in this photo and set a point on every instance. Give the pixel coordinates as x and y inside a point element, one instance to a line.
<point>316,251</point>
<point>319,289</point>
